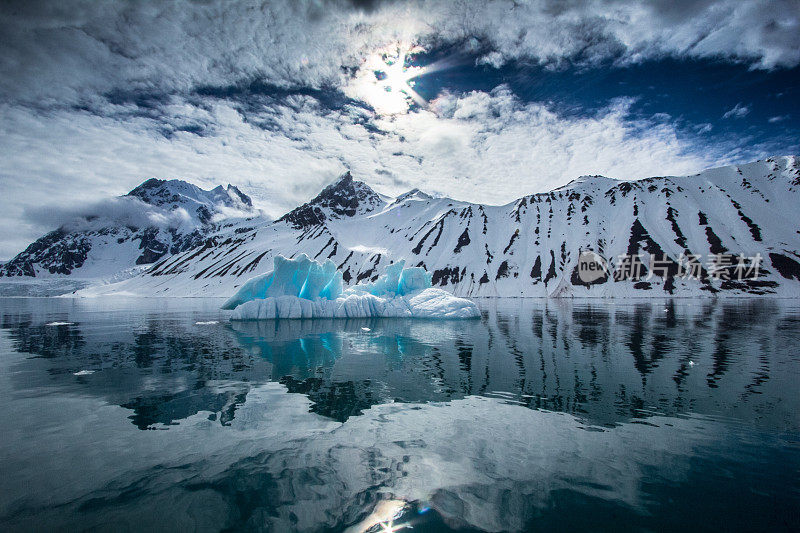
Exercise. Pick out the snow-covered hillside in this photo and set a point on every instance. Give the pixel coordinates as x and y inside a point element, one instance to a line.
<point>530,247</point>
<point>119,238</point>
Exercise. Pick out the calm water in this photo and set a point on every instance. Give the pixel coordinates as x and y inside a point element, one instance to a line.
<point>163,415</point>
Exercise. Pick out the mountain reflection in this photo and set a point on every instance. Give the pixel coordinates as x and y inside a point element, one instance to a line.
<point>604,362</point>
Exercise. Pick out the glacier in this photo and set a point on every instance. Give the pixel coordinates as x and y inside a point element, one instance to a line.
<point>304,288</point>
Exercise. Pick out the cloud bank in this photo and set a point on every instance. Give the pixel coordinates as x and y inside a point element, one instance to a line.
<point>121,211</point>
<point>74,49</point>
<point>483,147</point>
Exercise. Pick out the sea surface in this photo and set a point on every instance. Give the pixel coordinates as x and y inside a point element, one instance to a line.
<point>162,415</point>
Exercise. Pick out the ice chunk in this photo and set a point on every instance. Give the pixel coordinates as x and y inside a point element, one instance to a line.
<point>334,287</point>
<point>413,279</point>
<point>388,282</point>
<point>290,275</point>
<point>428,303</point>
<point>252,289</point>
<point>436,303</point>
<point>397,280</point>
<point>317,279</point>
<point>304,288</point>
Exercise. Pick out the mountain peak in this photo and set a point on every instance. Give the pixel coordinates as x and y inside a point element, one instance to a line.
<point>161,192</point>
<point>588,181</point>
<point>345,197</point>
<point>344,179</point>
<point>234,192</point>
<point>147,185</point>
<point>413,194</point>
<point>175,193</point>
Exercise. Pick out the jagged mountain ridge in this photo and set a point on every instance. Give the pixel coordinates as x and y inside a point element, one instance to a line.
<point>160,217</point>
<point>199,203</point>
<point>529,247</point>
<point>344,198</point>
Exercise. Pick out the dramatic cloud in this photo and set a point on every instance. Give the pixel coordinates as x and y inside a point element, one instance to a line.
<point>96,97</point>
<point>74,49</point>
<point>121,211</point>
<point>486,147</point>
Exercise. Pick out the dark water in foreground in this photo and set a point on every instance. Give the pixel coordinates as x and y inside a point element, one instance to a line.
<point>162,415</point>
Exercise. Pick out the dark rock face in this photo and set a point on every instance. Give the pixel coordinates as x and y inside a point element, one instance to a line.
<point>576,280</point>
<point>536,269</point>
<point>786,266</point>
<point>152,248</point>
<point>344,198</point>
<point>234,191</point>
<point>61,252</point>
<point>204,214</point>
<point>463,240</point>
<point>304,216</point>
<point>186,241</point>
<point>58,252</point>
<point>153,192</point>
<point>443,276</point>
<point>502,272</point>
<point>347,197</point>
<point>18,267</point>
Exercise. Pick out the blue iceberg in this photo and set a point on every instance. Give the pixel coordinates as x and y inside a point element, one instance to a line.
<point>304,288</point>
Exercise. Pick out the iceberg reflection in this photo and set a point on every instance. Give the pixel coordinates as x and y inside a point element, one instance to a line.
<point>539,416</point>
<point>606,363</point>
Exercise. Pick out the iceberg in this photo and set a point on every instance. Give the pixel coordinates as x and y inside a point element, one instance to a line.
<point>304,288</point>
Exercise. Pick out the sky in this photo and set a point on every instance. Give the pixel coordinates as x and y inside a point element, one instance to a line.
<point>480,101</point>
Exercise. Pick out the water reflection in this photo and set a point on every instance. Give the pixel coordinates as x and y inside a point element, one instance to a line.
<point>161,367</point>
<point>542,415</point>
<point>604,363</point>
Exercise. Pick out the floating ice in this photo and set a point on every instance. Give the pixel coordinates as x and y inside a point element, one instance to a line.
<point>304,288</point>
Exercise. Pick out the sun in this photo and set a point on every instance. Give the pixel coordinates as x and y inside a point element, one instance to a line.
<point>386,80</point>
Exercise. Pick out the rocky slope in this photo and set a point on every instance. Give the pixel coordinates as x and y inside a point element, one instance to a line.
<point>155,219</point>
<point>530,247</point>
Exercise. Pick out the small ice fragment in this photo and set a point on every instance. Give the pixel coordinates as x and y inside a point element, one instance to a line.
<point>207,323</point>
<point>59,324</point>
<point>365,329</point>
<point>83,372</point>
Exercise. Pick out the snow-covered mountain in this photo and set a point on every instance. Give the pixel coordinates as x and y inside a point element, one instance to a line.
<point>530,247</point>
<point>115,238</point>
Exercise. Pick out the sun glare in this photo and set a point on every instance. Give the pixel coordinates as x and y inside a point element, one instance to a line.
<point>386,80</point>
<point>382,518</point>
